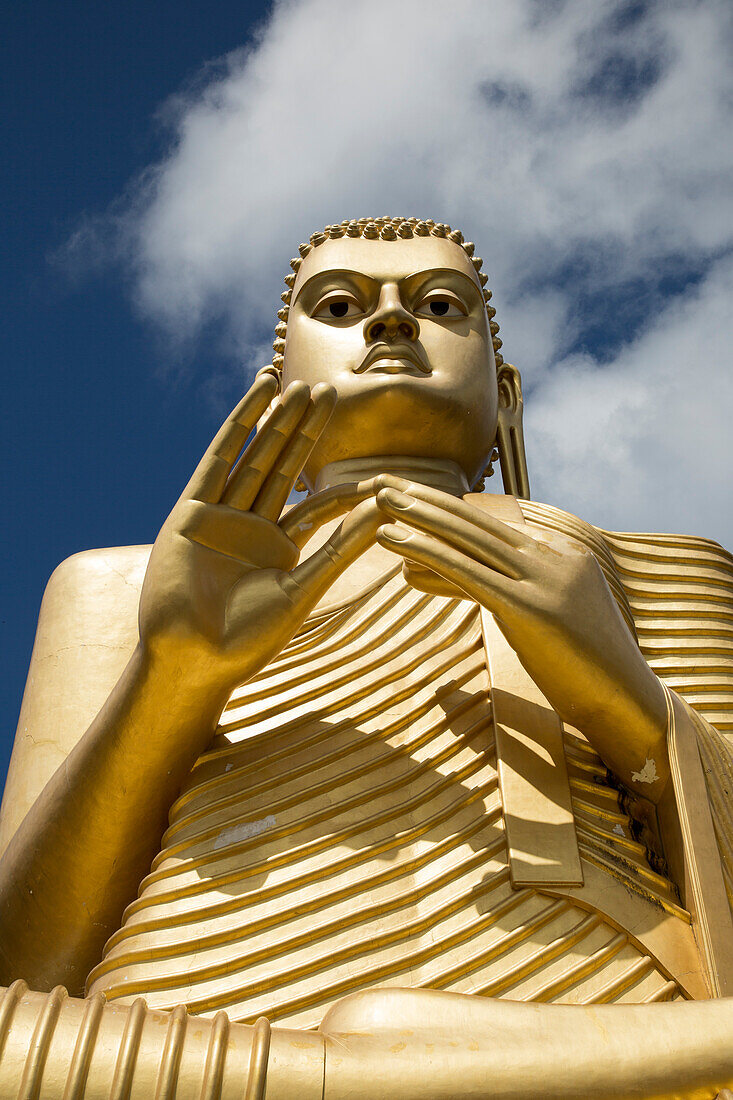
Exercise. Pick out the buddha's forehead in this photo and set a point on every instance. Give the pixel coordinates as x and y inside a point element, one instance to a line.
<point>385,261</point>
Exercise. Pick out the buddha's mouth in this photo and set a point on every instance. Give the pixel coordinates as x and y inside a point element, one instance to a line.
<point>393,359</point>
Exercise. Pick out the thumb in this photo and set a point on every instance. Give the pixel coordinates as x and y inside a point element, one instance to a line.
<point>305,584</point>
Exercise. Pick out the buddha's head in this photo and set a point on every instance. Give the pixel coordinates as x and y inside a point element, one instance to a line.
<point>393,313</point>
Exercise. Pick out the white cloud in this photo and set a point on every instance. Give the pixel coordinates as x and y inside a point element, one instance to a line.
<point>645,442</point>
<point>580,145</point>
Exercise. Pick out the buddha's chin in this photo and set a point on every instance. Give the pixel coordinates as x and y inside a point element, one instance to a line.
<point>404,420</point>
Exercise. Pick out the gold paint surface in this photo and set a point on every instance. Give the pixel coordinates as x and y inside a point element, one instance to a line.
<point>255,780</point>
<point>296,868</point>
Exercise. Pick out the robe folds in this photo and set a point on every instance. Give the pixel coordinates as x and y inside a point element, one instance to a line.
<point>345,829</point>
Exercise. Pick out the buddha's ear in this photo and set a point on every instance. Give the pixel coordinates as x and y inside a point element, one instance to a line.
<point>510,432</point>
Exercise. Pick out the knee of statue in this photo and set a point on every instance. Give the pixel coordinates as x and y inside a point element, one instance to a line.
<point>379,1010</point>
<point>406,766</point>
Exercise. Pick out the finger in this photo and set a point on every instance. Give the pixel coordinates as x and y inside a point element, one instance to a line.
<point>210,476</point>
<point>484,585</point>
<point>312,578</point>
<point>276,489</point>
<point>452,526</point>
<point>477,516</point>
<point>306,517</point>
<point>426,580</point>
<point>248,541</point>
<point>262,453</point>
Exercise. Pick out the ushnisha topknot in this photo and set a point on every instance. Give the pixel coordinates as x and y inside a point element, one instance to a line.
<point>384,229</point>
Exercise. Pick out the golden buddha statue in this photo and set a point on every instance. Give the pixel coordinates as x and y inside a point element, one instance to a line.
<point>409,790</point>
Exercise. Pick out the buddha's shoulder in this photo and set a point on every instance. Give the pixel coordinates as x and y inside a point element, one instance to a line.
<point>676,594</point>
<point>680,549</point>
<point>97,578</point>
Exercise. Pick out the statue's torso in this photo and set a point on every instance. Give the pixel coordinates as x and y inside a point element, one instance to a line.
<point>344,830</point>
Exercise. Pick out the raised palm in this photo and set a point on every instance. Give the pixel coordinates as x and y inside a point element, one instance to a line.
<point>224,592</point>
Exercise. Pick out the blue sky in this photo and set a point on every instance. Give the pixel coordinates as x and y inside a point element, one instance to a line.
<point>165,160</point>
<point>97,443</point>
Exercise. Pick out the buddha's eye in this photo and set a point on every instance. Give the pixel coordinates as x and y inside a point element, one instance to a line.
<point>338,306</point>
<point>441,303</point>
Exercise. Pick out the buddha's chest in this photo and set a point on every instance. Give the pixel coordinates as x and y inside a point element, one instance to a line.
<point>345,831</point>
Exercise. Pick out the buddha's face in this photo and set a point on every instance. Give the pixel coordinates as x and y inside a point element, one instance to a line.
<point>400,329</point>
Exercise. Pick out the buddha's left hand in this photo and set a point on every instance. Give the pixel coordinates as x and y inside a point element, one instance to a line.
<point>553,605</point>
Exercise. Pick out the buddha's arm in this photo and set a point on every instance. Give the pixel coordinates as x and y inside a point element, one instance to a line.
<point>78,856</point>
<point>222,595</point>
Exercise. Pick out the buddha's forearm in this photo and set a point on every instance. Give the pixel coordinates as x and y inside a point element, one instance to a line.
<point>78,857</point>
<point>622,711</point>
<point>611,695</point>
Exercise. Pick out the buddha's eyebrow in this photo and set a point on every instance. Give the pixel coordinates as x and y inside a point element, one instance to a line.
<point>422,274</point>
<point>425,274</point>
<point>333,273</point>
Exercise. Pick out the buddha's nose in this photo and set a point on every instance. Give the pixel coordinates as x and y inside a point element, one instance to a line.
<point>390,319</point>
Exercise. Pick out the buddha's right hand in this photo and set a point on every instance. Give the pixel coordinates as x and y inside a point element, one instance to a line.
<point>224,592</point>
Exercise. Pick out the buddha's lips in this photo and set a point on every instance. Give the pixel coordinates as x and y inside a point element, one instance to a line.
<point>395,353</point>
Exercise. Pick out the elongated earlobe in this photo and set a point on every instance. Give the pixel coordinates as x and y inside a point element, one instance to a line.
<point>510,432</point>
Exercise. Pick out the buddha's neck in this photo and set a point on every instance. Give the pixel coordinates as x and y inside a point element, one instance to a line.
<point>376,561</point>
<point>439,473</point>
